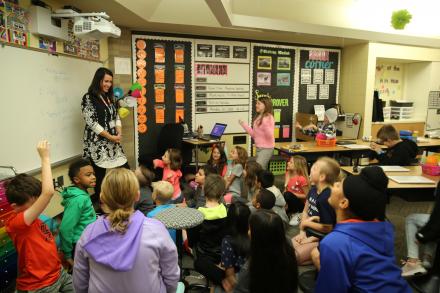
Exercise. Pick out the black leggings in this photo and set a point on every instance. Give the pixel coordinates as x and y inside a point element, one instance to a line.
<point>208,268</point>
<point>294,204</point>
<point>100,174</point>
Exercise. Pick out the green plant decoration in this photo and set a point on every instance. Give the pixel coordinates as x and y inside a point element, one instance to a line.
<point>400,18</point>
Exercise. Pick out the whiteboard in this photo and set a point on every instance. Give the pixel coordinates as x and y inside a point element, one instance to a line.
<point>40,96</point>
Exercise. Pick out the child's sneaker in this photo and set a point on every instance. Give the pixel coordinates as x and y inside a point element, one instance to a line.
<point>295,219</point>
<point>413,268</point>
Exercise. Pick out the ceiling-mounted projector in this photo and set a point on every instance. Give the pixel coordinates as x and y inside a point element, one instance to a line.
<point>90,25</point>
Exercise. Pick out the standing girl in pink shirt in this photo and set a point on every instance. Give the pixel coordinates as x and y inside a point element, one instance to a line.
<point>171,163</point>
<point>262,131</point>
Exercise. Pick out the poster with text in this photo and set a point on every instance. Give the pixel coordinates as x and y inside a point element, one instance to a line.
<point>319,78</point>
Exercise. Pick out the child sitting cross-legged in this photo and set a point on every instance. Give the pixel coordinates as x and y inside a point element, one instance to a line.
<point>162,194</point>
<point>206,239</point>
<point>318,215</point>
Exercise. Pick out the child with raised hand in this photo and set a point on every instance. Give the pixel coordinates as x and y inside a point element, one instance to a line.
<point>78,208</point>
<point>318,215</point>
<point>327,127</point>
<point>234,175</point>
<point>207,237</point>
<point>39,267</point>
<point>162,194</point>
<point>236,244</point>
<point>250,178</point>
<point>171,163</point>
<point>297,187</point>
<point>145,177</point>
<point>218,160</point>
<point>358,255</point>
<point>124,251</point>
<point>272,264</point>
<point>266,180</point>
<point>401,152</point>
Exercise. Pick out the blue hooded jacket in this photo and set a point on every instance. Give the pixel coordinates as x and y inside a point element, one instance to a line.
<point>359,257</point>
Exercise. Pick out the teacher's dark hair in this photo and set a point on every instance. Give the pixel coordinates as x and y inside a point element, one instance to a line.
<point>95,86</point>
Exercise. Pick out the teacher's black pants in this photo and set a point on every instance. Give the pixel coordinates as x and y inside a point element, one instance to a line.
<point>100,174</point>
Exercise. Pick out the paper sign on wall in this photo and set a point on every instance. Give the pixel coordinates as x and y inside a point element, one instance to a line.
<point>180,114</point>
<point>180,93</point>
<point>160,114</point>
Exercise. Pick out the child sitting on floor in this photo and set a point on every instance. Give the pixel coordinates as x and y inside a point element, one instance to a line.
<point>318,215</point>
<point>162,194</point>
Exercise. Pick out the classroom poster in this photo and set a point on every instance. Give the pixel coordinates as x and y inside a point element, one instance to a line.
<point>319,71</point>
<point>273,72</point>
<point>163,68</point>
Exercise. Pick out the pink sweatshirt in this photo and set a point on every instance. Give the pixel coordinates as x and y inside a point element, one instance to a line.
<point>171,176</point>
<point>263,134</point>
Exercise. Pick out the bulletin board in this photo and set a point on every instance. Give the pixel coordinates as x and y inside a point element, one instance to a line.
<point>222,79</point>
<point>318,78</point>
<point>222,91</point>
<point>273,72</point>
<point>163,66</point>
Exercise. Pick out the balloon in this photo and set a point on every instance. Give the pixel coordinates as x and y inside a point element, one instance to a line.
<point>123,112</point>
<point>130,101</point>
<point>118,92</point>
<point>136,86</point>
<point>136,93</point>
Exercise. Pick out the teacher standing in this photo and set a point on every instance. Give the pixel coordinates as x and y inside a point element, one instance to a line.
<point>262,131</point>
<point>103,130</point>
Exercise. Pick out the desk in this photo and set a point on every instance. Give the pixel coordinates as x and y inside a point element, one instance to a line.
<point>196,143</point>
<point>310,148</point>
<point>413,171</point>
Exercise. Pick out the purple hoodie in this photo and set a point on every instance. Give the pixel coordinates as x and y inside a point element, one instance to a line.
<point>144,259</point>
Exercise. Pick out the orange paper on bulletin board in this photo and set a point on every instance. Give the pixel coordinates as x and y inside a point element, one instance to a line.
<point>180,75</point>
<point>178,54</point>
<point>159,94</point>
<point>180,115</point>
<point>160,115</point>
<point>159,54</point>
<point>180,95</point>
<point>159,74</point>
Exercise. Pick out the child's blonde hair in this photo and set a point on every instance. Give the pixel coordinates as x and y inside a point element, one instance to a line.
<point>119,190</point>
<point>300,166</point>
<point>242,156</point>
<point>330,168</point>
<point>163,191</point>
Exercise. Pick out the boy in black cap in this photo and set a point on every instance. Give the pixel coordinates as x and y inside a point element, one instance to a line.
<point>358,255</point>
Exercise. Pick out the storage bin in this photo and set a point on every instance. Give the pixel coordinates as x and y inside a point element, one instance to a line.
<point>278,166</point>
<point>326,142</point>
<point>432,170</point>
<point>394,103</point>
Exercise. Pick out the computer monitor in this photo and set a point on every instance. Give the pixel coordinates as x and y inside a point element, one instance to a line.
<point>218,130</point>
